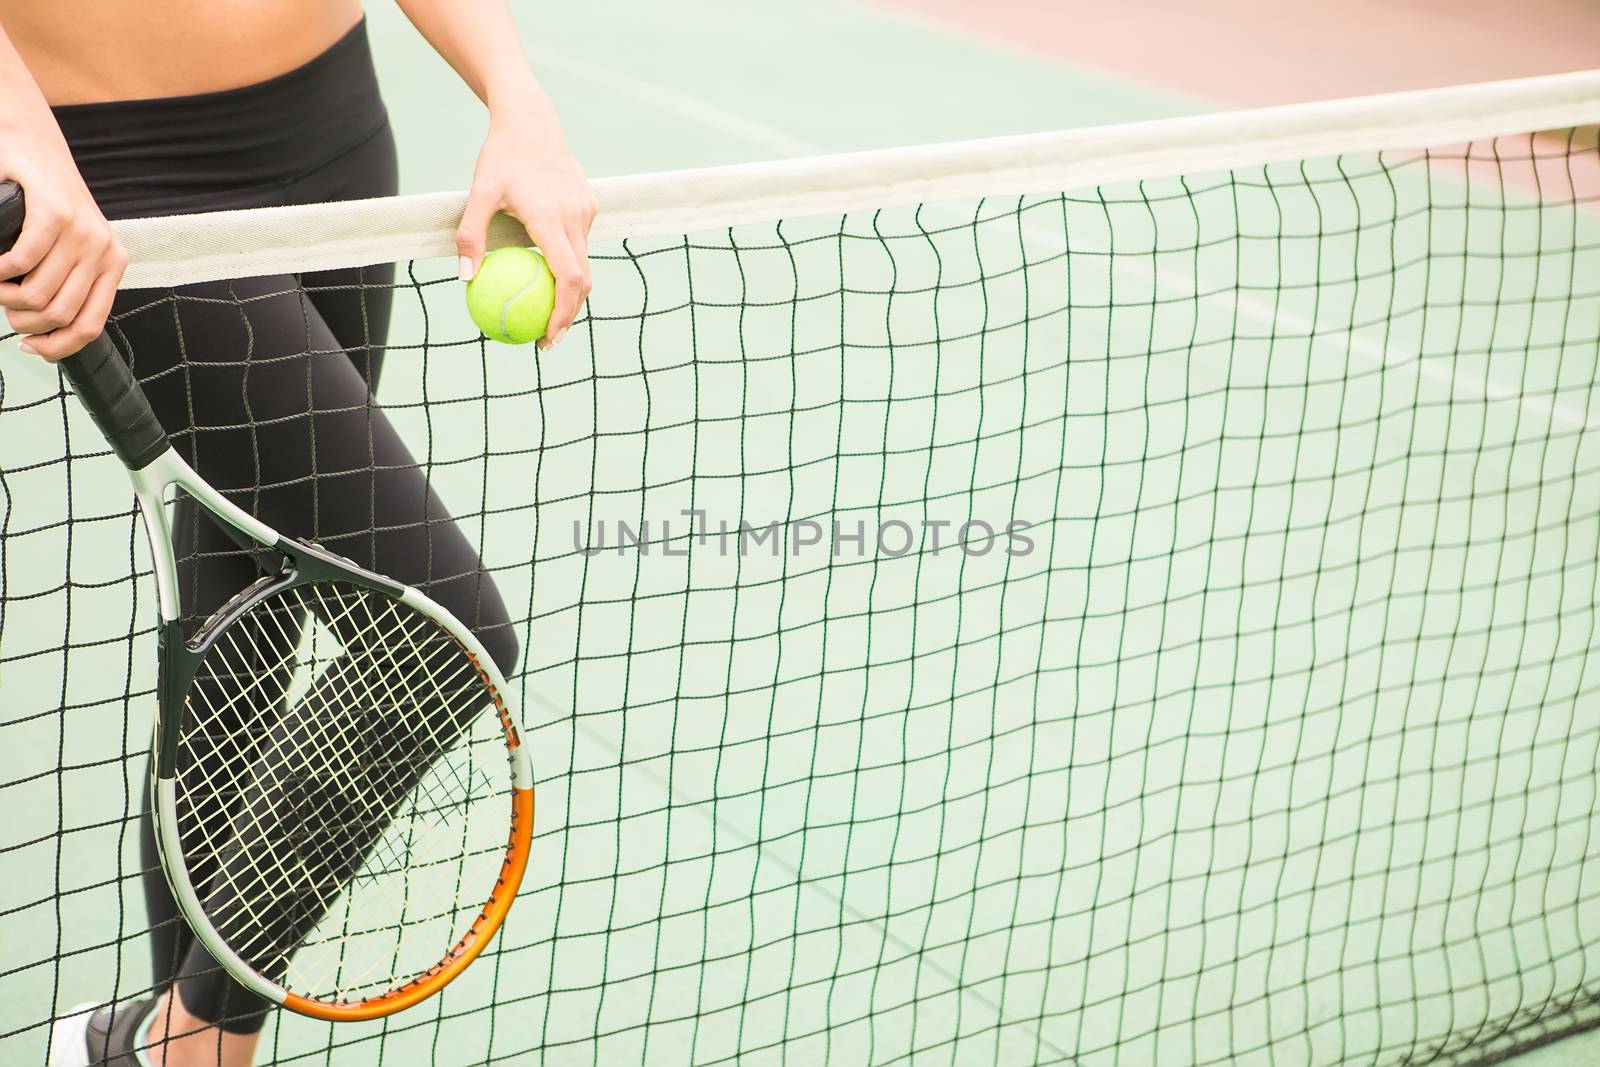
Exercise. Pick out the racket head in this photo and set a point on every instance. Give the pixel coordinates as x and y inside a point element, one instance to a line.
<point>344,804</point>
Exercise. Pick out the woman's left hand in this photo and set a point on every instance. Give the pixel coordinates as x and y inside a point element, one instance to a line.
<point>526,170</point>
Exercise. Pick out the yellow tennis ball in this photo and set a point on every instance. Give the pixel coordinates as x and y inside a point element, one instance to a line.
<point>512,295</point>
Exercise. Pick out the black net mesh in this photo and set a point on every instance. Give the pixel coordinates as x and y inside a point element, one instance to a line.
<point>1151,624</point>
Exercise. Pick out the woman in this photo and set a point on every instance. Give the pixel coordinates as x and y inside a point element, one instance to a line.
<point>110,109</point>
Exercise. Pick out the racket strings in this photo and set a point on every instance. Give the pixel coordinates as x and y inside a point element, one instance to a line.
<point>344,839</point>
<point>342,791</point>
<point>352,779</point>
<point>240,689</point>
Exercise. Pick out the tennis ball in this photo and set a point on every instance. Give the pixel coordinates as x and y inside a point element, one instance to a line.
<point>512,295</point>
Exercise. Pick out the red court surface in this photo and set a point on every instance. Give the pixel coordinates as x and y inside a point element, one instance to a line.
<point>1243,53</point>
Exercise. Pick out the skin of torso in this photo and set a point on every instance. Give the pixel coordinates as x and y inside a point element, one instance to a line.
<point>88,51</point>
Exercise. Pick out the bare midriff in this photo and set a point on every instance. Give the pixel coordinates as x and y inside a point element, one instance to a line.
<point>90,51</point>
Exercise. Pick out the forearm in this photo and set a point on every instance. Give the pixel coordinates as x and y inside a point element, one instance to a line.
<point>57,282</point>
<point>28,130</point>
<point>478,38</point>
<point>525,167</point>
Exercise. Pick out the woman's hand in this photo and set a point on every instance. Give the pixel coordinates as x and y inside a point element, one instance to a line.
<point>57,283</point>
<point>526,170</point>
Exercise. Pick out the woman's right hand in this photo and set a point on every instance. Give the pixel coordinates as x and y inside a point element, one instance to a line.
<point>57,283</point>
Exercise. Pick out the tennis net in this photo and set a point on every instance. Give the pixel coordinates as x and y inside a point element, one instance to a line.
<point>1125,596</point>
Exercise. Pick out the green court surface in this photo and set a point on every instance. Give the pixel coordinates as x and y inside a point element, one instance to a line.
<point>1207,775</point>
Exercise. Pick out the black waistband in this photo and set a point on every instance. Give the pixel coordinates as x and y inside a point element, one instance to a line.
<point>235,148</point>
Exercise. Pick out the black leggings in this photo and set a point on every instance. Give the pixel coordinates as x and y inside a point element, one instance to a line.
<point>265,384</point>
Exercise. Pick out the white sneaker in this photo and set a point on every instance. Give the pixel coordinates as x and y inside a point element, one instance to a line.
<point>93,1035</point>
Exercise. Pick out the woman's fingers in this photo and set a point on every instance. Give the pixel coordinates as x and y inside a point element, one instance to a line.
<point>577,234</point>
<point>57,284</point>
<point>571,276</point>
<point>49,298</point>
<point>85,327</point>
<point>474,229</point>
<point>37,238</point>
<point>578,237</point>
<point>38,278</point>
<point>564,240</point>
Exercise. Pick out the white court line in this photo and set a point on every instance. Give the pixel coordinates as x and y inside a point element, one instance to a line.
<point>1468,388</point>
<point>1264,314</point>
<point>663,98</point>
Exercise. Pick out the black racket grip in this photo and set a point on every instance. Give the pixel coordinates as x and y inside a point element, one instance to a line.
<point>10,215</point>
<point>108,389</point>
<point>99,375</point>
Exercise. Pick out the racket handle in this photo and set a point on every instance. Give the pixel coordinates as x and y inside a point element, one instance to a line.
<point>10,215</point>
<point>99,375</point>
<point>113,398</point>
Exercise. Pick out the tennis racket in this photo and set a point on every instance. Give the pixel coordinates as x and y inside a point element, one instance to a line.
<point>343,801</point>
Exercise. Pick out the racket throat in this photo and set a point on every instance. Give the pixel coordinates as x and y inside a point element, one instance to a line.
<point>175,669</point>
<point>149,487</point>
